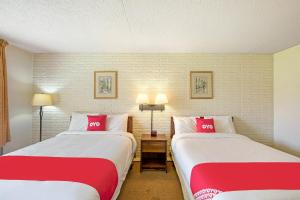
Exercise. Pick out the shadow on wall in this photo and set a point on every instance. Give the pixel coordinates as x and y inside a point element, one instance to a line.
<point>20,113</point>
<point>21,133</point>
<point>19,99</point>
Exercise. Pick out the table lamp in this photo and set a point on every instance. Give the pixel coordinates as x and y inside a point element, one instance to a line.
<point>160,101</point>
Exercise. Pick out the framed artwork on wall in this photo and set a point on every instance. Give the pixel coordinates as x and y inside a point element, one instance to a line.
<point>105,84</point>
<point>201,84</point>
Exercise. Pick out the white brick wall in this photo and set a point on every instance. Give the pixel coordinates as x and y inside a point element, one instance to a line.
<point>242,88</point>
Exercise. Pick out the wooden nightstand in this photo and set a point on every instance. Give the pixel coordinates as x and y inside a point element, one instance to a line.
<point>154,152</point>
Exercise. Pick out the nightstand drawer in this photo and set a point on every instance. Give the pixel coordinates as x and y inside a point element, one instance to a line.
<point>154,146</point>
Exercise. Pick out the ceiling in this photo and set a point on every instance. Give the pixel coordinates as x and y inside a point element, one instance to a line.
<point>207,26</point>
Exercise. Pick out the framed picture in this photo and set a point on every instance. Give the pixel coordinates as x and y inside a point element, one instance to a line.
<point>105,84</point>
<point>201,84</point>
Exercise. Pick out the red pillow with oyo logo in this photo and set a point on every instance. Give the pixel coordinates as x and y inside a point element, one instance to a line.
<point>96,122</point>
<point>205,125</point>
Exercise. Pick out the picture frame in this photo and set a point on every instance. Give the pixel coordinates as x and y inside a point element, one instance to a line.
<point>201,85</point>
<point>105,84</point>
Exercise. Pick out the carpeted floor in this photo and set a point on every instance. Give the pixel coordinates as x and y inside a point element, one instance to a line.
<point>151,185</point>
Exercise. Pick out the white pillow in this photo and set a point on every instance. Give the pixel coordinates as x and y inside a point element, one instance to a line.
<point>117,122</point>
<point>223,124</point>
<point>79,122</point>
<point>184,125</point>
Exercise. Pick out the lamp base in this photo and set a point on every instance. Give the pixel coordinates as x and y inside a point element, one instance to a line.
<point>153,133</point>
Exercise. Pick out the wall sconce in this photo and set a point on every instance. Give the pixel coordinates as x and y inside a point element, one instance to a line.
<point>160,101</point>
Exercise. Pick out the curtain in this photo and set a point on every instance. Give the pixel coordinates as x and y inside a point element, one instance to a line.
<point>4,123</point>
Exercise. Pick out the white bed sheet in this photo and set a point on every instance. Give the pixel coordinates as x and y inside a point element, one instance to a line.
<point>190,149</point>
<point>119,147</point>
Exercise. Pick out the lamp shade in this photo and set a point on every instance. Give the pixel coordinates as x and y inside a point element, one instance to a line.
<point>161,99</point>
<point>42,100</point>
<point>142,99</point>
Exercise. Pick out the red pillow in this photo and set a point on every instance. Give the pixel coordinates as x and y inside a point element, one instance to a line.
<point>205,125</point>
<point>96,122</point>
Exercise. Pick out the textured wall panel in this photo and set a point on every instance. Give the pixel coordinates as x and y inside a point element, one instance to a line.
<point>242,88</point>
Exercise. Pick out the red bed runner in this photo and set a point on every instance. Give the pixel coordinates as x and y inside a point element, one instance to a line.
<point>98,173</point>
<point>210,179</point>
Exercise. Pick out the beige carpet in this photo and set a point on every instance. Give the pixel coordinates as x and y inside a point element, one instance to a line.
<point>151,185</point>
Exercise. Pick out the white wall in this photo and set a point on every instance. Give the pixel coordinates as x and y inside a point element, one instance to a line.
<point>287,100</point>
<point>19,71</point>
<point>243,87</point>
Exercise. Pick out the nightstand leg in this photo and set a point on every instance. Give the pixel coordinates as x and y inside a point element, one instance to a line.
<point>131,166</point>
<point>167,167</point>
<point>141,163</point>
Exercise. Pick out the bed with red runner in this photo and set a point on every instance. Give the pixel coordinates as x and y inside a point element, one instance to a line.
<point>223,166</point>
<point>70,166</point>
